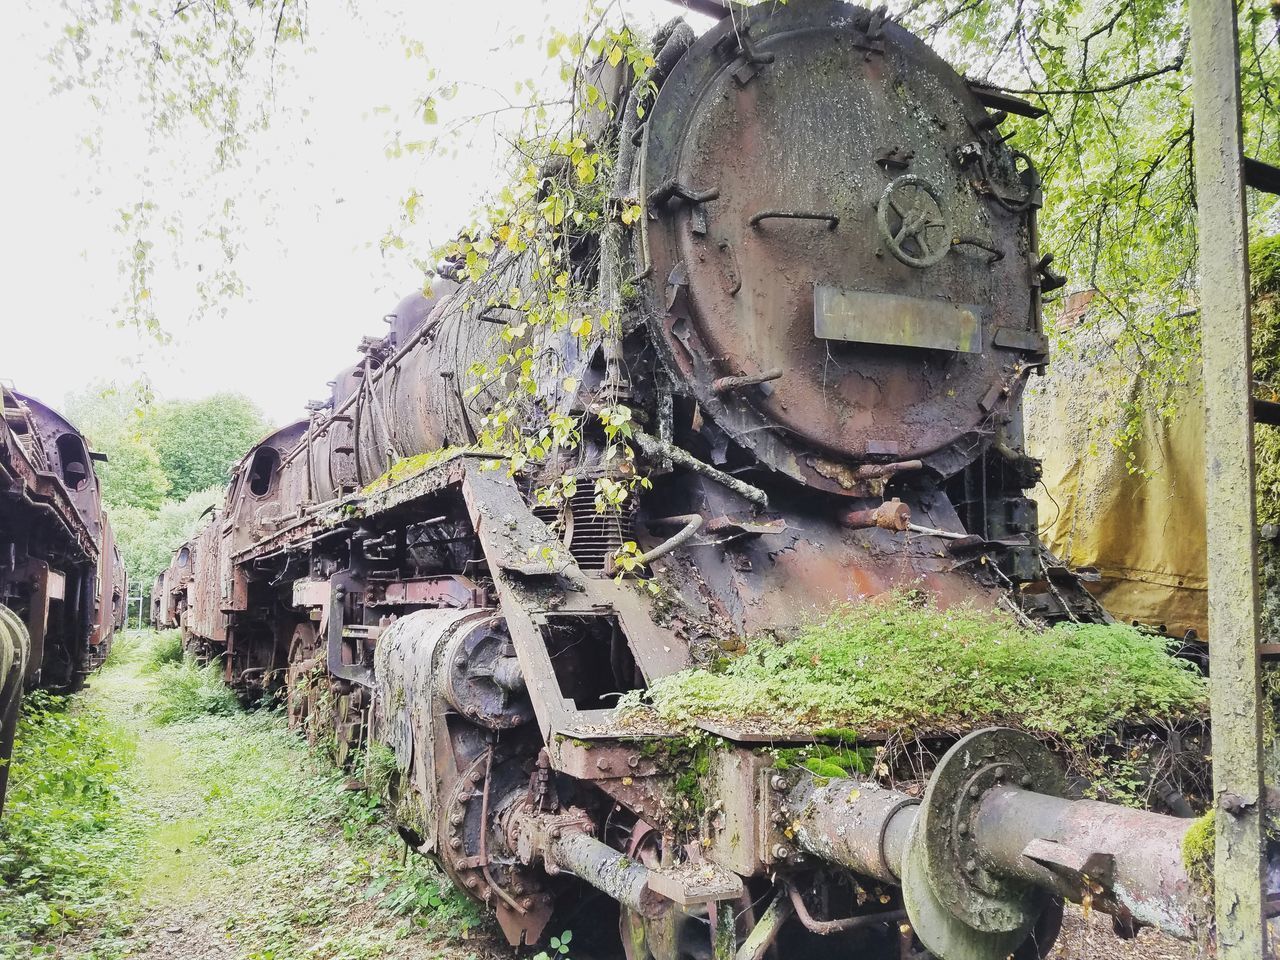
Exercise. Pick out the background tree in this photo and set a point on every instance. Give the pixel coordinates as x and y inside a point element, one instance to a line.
<point>1115,152</point>
<point>148,538</point>
<point>112,420</point>
<point>168,462</point>
<point>199,441</point>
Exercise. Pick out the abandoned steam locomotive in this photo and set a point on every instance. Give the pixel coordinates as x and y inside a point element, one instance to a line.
<point>62,580</point>
<point>828,310</point>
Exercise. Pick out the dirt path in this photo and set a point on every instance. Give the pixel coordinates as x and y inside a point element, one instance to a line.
<point>249,847</point>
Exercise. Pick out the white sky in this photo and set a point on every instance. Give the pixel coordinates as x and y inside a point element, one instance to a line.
<point>316,278</point>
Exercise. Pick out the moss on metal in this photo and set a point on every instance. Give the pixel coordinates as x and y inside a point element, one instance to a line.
<point>1198,845</point>
<point>408,467</point>
<point>905,667</point>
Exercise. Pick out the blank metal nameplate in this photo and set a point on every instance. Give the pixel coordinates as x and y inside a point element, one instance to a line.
<point>897,321</point>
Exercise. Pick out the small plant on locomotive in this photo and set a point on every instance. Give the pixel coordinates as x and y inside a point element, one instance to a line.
<point>746,344</point>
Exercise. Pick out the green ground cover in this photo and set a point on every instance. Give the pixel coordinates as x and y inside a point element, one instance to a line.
<point>142,825</point>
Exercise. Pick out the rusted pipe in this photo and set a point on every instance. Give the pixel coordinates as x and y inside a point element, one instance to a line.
<point>890,515</point>
<point>855,823</point>
<point>610,871</point>
<point>843,925</point>
<point>876,471</point>
<point>731,384</point>
<point>1086,849</point>
<point>692,524</point>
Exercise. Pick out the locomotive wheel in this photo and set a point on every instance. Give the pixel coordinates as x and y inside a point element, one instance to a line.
<point>303,680</point>
<point>518,895</point>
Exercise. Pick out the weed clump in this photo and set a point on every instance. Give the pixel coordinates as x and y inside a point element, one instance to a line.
<point>64,845</point>
<point>126,646</point>
<point>905,667</point>
<point>165,648</point>
<point>185,691</point>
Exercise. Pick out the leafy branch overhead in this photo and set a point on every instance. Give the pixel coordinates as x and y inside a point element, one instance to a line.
<point>204,75</point>
<point>1115,149</point>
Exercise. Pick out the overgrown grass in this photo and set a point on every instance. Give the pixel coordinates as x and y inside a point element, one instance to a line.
<point>164,648</point>
<point>185,691</point>
<point>276,798</point>
<point>224,824</point>
<point>126,646</point>
<point>64,842</point>
<point>905,667</point>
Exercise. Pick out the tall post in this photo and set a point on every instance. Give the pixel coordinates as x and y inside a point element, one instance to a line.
<point>1235,700</point>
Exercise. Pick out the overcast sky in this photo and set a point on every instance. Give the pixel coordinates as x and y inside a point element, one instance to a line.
<point>316,278</point>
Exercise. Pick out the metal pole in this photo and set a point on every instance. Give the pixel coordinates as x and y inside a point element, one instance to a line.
<point>139,596</point>
<point>1235,701</point>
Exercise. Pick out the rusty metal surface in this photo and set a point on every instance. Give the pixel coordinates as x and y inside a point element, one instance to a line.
<point>61,571</point>
<point>204,615</point>
<point>809,130</point>
<point>66,453</point>
<point>62,578</point>
<point>267,491</point>
<point>30,471</point>
<point>1235,696</point>
<point>111,588</point>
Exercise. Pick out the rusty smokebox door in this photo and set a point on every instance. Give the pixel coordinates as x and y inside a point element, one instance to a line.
<point>800,153</point>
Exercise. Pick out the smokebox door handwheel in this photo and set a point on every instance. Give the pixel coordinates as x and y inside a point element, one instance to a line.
<point>914,225</point>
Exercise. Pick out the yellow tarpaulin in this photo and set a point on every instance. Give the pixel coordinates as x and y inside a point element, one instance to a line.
<point>1136,514</point>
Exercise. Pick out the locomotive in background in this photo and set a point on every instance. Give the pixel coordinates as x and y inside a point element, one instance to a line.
<point>828,311</point>
<point>62,579</point>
